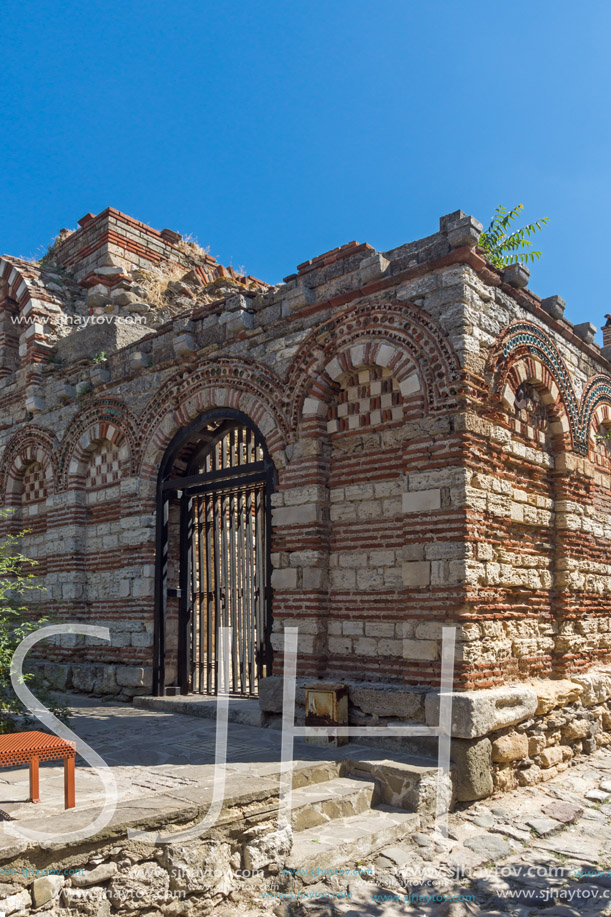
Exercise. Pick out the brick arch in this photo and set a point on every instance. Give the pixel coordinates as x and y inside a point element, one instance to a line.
<point>26,287</point>
<point>32,444</point>
<point>595,406</point>
<point>106,419</point>
<point>397,335</point>
<point>253,390</point>
<point>384,355</point>
<point>525,353</point>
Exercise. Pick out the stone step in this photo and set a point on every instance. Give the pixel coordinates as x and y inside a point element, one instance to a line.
<point>345,841</point>
<point>410,785</point>
<point>320,803</point>
<point>241,710</point>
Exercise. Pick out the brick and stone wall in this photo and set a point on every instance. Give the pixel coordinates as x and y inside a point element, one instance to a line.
<point>436,430</point>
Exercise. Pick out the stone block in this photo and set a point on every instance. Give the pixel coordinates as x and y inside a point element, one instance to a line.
<point>99,375</point>
<point>387,700</point>
<point>421,501</point>
<point>596,687</point>
<point>554,306</point>
<point>551,694</point>
<point>536,744</point>
<point>96,338</point>
<point>577,728</point>
<point>183,345</point>
<point>46,888</point>
<point>586,331</point>
<point>420,649</point>
<point>477,713</point>
<point>265,846</point>
<point>551,756</point>
<point>416,573</point>
<point>465,232</point>
<point>285,578</point>
<point>15,904</point>
<point>473,772</point>
<point>294,515</point>
<point>516,275</point>
<point>510,747</point>
<point>131,676</point>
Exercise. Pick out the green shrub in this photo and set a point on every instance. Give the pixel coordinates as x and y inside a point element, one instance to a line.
<point>16,581</point>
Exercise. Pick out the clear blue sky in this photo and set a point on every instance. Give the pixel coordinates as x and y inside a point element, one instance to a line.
<point>274,131</point>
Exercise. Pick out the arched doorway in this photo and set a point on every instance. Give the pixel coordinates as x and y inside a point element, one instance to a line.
<point>213,556</point>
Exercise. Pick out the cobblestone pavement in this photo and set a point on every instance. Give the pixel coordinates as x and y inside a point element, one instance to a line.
<point>543,850</point>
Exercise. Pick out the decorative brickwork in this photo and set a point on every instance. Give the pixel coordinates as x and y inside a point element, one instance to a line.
<point>34,484</point>
<point>437,442</point>
<point>104,466</point>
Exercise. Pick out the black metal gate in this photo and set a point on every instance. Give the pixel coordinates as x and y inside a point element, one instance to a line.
<point>223,565</point>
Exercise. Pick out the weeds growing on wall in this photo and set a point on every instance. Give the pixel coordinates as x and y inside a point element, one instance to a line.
<point>502,246</point>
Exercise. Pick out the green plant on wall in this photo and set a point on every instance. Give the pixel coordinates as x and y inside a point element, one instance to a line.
<point>16,580</point>
<point>502,245</point>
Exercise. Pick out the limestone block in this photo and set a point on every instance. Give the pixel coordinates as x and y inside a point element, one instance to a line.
<point>530,776</point>
<point>420,649</point>
<point>313,578</point>
<point>422,501</point>
<point>586,331</point>
<point>99,375</point>
<point>373,268</point>
<point>516,275</point>
<point>341,646</point>
<point>416,573</point>
<point>387,700</point>
<point>554,306</point>
<point>95,338</point>
<point>551,756</point>
<point>578,728</point>
<point>510,747</point>
<point>473,773</point>
<point>143,882</point>
<point>294,515</point>
<point>551,694</point>
<point>16,903</point>
<point>477,713</point>
<point>131,676</point>
<point>183,344</point>
<point>45,889</point>
<point>465,232</point>
<point>366,646</point>
<point>285,578</point>
<point>596,687</point>
<point>536,744</point>
<point>184,865</point>
<point>265,846</point>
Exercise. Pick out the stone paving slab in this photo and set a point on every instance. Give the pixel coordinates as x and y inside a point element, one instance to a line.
<point>564,873</point>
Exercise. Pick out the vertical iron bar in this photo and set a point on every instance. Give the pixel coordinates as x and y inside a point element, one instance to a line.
<point>260,582</point>
<point>233,600</point>
<point>161,593</point>
<point>184,604</point>
<point>252,597</point>
<point>243,621</point>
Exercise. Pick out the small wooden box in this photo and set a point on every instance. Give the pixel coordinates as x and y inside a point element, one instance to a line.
<point>326,704</point>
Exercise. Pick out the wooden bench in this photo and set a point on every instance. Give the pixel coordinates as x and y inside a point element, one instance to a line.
<point>33,747</point>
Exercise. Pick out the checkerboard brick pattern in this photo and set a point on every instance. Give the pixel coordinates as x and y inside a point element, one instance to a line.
<point>34,484</point>
<point>104,467</point>
<point>370,397</point>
